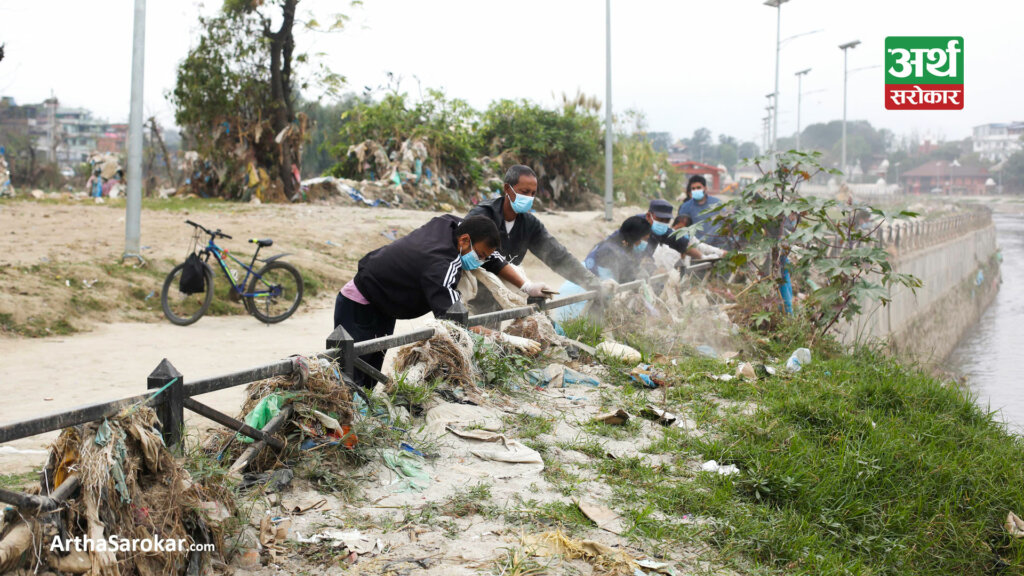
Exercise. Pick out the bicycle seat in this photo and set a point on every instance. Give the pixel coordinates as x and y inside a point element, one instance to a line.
<point>264,242</point>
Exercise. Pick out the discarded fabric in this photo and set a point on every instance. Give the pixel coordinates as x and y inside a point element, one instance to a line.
<point>606,519</point>
<point>510,451</point>
<point>714,466</point>
<point>620,352</point>
<point>559,376</point>
<point>409,469</point>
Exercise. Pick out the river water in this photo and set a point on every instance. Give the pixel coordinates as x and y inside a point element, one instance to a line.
<point>989,352</point>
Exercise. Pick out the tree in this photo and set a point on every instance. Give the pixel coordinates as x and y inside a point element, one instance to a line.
<point>236,92</point>
<point>823,244</point>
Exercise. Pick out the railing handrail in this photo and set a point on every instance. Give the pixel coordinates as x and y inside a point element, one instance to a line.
<point>91,412</point>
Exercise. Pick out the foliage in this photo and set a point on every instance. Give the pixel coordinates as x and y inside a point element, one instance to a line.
<point>445,124</point>
<point>1013,176</point>
<point>235,97</point>
<point>829,246</point>
<point>563,145</point>
<point>641,173</point>
<point>327,120</point>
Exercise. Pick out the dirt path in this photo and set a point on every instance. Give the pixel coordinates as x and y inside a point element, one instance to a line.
<point>44,375</point>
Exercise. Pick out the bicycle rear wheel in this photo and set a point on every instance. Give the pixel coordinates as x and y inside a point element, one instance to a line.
<point>278,292</point>
<point>184,309</point>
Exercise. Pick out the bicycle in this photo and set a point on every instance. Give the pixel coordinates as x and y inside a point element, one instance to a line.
<point>273,294</point>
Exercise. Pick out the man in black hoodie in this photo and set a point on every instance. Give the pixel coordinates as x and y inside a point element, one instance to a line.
<point>521,231</point>
<point>411,276</point>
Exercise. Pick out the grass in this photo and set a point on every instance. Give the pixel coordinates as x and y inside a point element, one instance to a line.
<point>469,502</point>
<point>527,426</point>
<point>18,481</point>
<point>584,329</point>
<point>857,464</point>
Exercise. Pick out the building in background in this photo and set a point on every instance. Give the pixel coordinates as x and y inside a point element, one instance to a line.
<point>943,177</point>
<point>997,142</point>
<point>63,135</point>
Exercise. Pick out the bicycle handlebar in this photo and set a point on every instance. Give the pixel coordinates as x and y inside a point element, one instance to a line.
<point>215,233</point>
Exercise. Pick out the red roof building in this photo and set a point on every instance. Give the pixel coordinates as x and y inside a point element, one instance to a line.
<point>942,177</point>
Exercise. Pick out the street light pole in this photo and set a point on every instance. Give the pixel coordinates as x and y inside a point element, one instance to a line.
<point>844,48</point>
<point>133,198</point>
<point>777,4</point>
<point>608,172</point>
<point>799,96</point>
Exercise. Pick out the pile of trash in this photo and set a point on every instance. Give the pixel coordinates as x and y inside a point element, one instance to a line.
<point>322,412</point>
<point>407,177</point>
<point>132,492</point>
<point>106,176</point>
<point>6,188</point>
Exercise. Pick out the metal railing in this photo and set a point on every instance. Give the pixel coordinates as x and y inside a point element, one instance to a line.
<point>170,395</point>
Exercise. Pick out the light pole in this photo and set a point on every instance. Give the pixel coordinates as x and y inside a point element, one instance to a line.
<point>133,198</point>
<point>799,96</point>
<point>844,48</point>
<point>897,176</point>
<point>777,4</point>
<point>608,173</point>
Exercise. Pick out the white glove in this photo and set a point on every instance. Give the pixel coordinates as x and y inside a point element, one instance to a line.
<point>535,289</point>
<point>525,345</point>
<point>608,288</point>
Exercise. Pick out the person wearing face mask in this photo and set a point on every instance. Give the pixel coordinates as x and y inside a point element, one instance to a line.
<point>410,277</point>
<point>621,255</point>
<point>659,215</point>
<point>696,210</point>
<point>520,232</point>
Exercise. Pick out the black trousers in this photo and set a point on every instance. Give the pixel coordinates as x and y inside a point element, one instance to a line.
<point>363,322</point>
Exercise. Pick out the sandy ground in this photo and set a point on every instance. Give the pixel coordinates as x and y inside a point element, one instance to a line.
<point>45,375</point>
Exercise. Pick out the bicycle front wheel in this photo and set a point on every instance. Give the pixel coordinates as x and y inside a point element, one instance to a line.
<point>276,292</point>
<point>181,308</point>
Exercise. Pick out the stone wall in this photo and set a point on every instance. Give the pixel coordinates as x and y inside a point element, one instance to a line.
<point>955,259</point>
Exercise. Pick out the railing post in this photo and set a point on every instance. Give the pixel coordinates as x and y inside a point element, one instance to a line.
<point>170,407</point>
<point>457,313</point>
<point>346,345</point>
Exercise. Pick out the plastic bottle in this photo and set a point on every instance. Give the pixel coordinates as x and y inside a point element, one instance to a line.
<point>798,359</point>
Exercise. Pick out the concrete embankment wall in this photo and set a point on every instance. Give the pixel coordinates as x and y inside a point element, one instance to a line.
<point>955,259</point>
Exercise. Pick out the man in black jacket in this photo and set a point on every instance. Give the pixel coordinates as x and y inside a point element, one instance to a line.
<point>521,231</point>
<point>411,276</point>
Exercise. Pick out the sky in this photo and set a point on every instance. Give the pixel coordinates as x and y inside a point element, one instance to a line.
<point>685,64</point>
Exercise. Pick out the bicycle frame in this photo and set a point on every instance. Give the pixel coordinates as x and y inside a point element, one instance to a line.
<point>239,288</point>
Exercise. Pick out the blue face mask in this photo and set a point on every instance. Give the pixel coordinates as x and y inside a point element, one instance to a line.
<point>470,261</point>
<point>522,203</point>
<point>698,194</point>
<point>641,247</point>
<point>659,228</point>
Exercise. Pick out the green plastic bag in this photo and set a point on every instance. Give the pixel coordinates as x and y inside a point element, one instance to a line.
<point>262,413</point>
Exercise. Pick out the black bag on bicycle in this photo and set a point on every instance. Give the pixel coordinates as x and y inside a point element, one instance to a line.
<point>193,276</point>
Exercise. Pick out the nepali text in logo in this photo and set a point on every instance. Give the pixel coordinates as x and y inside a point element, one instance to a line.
<point>924,73</point>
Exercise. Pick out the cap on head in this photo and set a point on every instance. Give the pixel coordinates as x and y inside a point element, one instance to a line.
<point>660,208</point>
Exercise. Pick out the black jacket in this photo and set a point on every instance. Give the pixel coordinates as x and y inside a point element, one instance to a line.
<point>529,233</point>
<point>415,274</point>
